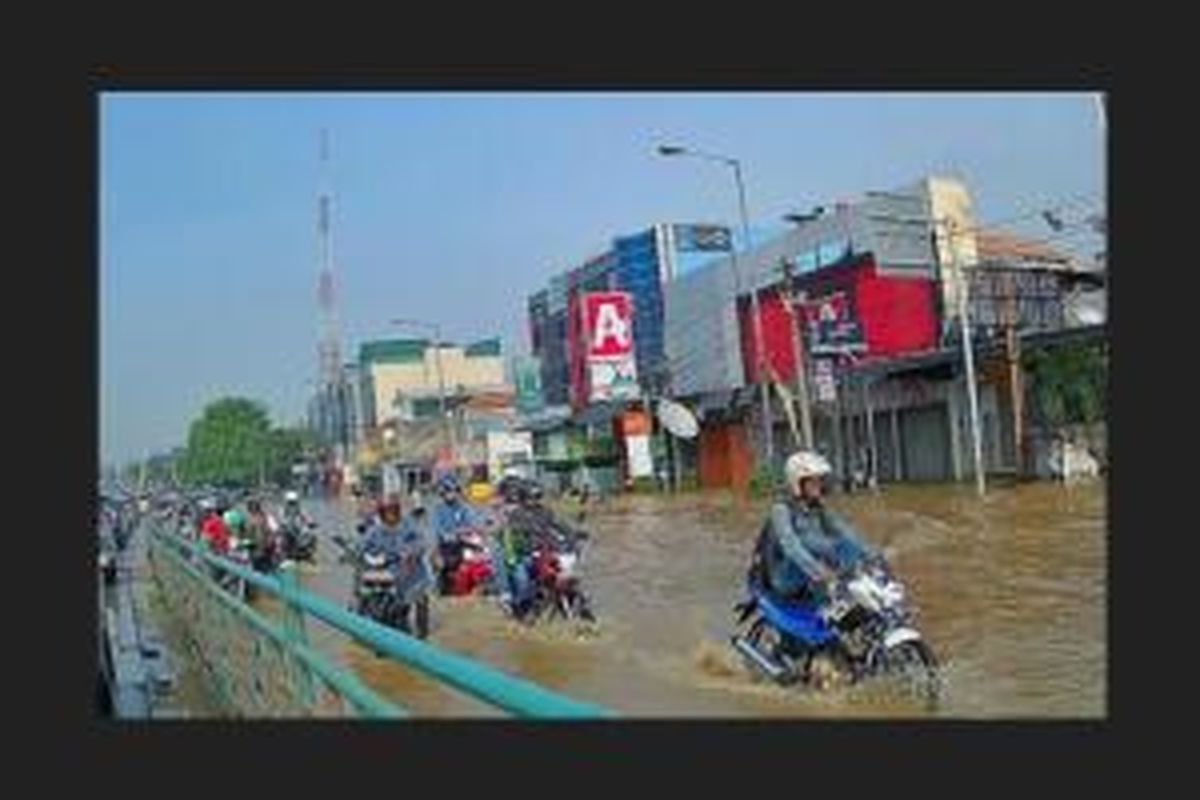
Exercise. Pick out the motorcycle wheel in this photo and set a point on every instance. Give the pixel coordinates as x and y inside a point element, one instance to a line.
<point>538,606</point>
<point>915,664</point>
<point>764,638</point>
<point>422,618</point>
<point>399,617</point>
<point>580,608</point>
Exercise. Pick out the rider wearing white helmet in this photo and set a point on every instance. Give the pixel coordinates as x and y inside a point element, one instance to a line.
<point>804,545</point>
<point>293,514</point>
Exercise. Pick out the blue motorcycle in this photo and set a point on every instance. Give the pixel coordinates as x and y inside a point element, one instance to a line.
<point>864,630</point>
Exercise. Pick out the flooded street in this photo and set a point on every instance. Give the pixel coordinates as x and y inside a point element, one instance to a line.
<point>1010,591</point>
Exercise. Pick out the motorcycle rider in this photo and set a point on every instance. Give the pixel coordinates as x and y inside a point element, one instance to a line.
<point>451,515</point>
<point>292,512</point>
<point>367,503</point>
<point>235,522</point>
<point>803,546</point>
<point>294,520</point>
<point>213,529</point>
<point>262,529</point>
<point>407,547</point>
<point>531,527</point>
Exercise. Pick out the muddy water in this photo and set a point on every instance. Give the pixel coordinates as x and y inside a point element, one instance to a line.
<point>1010,591</point>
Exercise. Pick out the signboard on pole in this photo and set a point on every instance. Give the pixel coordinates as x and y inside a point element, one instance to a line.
<point>509,450</point>
<point>528,378</point>
<point>825,380</point>
<point>641,465</point>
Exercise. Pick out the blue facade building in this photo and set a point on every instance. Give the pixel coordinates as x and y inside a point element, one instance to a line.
<point>641,264</point>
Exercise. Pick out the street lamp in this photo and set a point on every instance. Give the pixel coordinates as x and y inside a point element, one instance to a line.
<point>437,355</point>
<point>675,150</point>
<point>800,219</point>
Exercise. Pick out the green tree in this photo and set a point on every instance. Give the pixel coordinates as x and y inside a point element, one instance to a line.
<point>233,443</point>
<point>229,444</point>
<point>1069,383</point>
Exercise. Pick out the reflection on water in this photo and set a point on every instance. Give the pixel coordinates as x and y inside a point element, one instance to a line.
<point>1010,591</point>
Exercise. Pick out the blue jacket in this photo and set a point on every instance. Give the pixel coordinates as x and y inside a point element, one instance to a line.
<point>449,518</point>
<point>802,543</point>
<point>407,546</point>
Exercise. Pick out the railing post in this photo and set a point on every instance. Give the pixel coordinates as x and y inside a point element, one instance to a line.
<point>294,628</point>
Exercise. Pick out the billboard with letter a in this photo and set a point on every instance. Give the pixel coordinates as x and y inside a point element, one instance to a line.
<point>608,345</point>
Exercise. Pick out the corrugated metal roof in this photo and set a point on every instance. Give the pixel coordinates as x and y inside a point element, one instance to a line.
<point>996,245</point>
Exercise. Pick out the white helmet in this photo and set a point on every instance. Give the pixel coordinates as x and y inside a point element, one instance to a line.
<point>291,497</point>
<point>805,464</point>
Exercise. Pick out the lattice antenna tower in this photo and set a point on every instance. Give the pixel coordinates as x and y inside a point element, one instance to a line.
<point>328,348</point>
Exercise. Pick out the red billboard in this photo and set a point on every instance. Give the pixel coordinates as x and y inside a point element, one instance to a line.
<point>603,366</point>
<point>608,325</point>
<point>851,309</point>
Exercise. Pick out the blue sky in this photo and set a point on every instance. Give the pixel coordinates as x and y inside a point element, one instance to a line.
<point>455,206</point>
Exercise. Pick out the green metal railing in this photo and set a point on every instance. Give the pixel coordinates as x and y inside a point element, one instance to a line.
<point>265,667</point>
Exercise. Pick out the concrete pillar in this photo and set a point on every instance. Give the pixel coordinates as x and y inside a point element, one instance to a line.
<point>897,471</point>
<point>874,448</point>
<point>952,411</point>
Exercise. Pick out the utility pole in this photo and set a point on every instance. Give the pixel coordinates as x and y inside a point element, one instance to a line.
<point>869,413</point>
<point>1012,349</point>
<point>801,355</point>
<point>756,323</point>
<point>968,355</point>
<point>760,344</point>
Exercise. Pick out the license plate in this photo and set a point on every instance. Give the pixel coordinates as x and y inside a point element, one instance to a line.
<point>377,576</point>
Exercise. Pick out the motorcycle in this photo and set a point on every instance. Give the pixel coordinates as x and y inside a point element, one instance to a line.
<point>241,553</point>
<point>474,570</point>
<point>299,541</point>
<point>266,557</point>
<point>379,597</point>
<point>866,630</point>
<point>556,584</point>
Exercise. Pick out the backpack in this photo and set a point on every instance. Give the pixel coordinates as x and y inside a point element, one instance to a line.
<point>757,573</point>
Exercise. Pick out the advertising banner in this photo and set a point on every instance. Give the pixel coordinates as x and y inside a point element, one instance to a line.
<point>613,380</point>
<point>831,326</point>
<point>608,325</point>
<point>702,238</point>
<point>507,450</point>
<point>527,374</point>
<point>641,465</point>
<point>608,345</point>
<point>826,383</point>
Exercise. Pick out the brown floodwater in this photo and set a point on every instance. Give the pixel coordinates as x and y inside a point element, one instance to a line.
<point>1009,590</point>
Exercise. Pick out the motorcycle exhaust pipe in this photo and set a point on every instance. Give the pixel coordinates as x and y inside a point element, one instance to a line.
<point>771,669</point>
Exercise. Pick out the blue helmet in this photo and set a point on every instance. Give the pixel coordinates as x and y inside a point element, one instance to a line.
<point>449,483</point>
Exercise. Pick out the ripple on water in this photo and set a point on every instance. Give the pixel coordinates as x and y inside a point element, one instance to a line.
<point>1010,592</point>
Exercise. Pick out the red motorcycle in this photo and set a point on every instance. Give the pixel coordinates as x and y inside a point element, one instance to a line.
<point>474,568</point>
<point>467,563</point>
<point>557,590</point>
